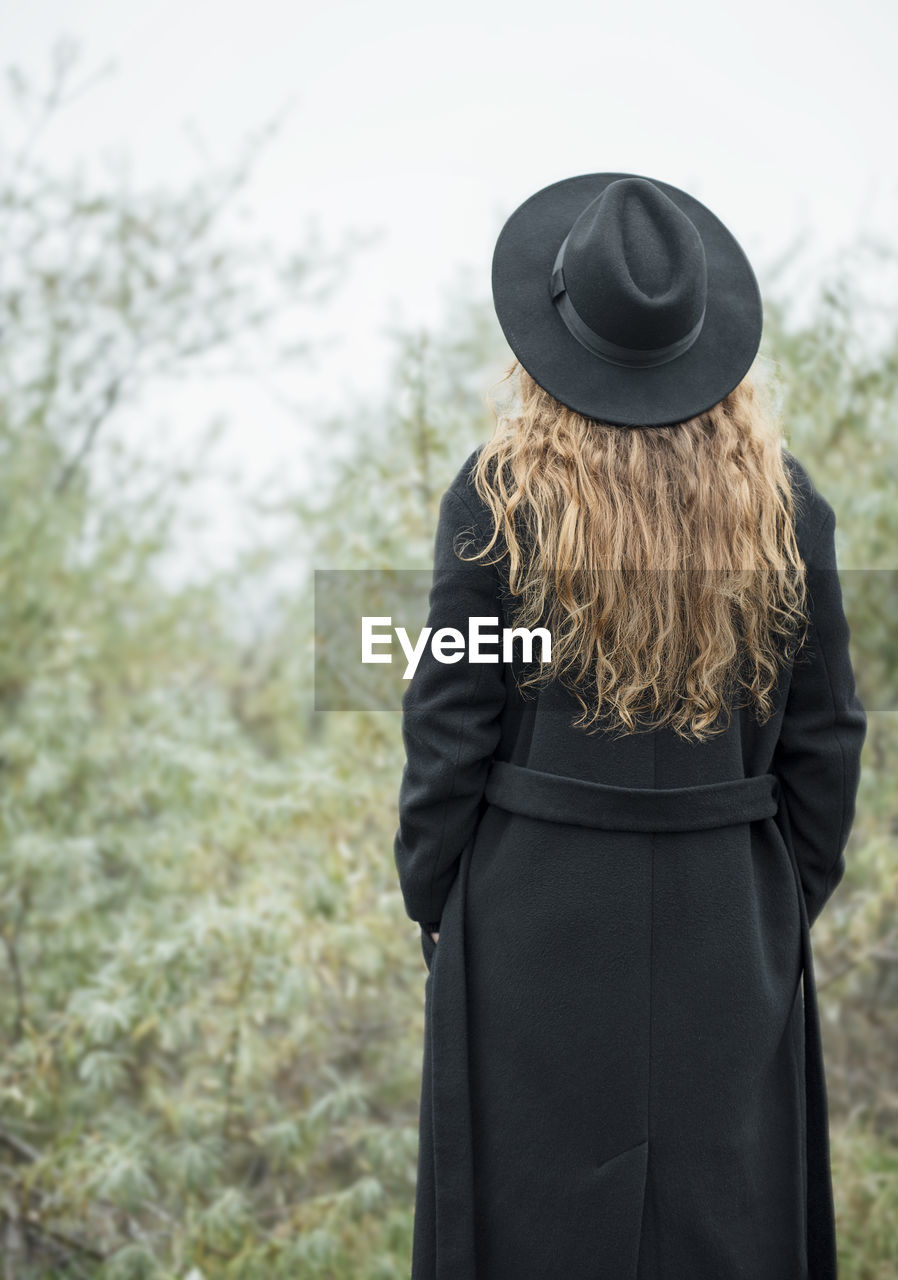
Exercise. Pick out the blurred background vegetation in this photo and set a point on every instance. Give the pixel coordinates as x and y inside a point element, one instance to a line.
<point>211,999</point>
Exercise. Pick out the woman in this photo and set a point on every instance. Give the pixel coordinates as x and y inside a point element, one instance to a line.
<point>616,855</point>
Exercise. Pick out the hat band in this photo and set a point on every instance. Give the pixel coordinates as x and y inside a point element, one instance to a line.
<point>631,357</point>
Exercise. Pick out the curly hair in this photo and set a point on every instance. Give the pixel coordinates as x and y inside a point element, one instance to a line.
<point>663,560</point>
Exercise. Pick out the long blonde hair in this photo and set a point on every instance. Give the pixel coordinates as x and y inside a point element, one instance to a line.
<point>663,560</point>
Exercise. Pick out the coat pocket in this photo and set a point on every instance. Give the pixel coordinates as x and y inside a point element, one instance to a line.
<point>428,946</point>
<point>783,839</point>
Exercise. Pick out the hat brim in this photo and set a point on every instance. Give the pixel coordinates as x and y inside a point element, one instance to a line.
<point>702,376</point>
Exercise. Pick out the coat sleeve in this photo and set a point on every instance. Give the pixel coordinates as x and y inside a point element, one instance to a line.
<point>818,754</point>
<point>451,715</point>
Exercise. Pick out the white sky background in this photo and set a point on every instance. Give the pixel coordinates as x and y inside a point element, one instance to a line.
<point>431,124</point>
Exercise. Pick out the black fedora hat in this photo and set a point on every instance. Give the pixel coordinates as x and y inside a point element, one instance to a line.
<point>626,299</point>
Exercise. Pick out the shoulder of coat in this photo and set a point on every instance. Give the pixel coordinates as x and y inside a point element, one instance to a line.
<point>464,488</point>
<point>811,507</point>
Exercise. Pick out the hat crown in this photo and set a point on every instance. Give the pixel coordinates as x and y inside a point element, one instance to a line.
<point>634,267</point>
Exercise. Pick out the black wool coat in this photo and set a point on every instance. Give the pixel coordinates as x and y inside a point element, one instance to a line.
<point>622,1071</point>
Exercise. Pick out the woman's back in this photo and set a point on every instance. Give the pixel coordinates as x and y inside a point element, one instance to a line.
<point>621,1079</point>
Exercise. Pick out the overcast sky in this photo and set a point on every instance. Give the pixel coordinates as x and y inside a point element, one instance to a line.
<point>431,124</point>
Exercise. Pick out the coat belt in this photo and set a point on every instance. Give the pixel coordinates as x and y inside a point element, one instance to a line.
<point>558,798</point>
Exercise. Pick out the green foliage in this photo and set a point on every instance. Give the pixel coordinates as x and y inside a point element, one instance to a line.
<point>865,1172</point>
